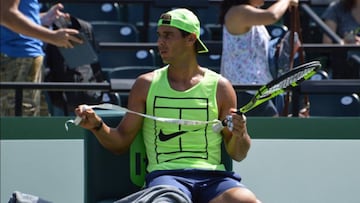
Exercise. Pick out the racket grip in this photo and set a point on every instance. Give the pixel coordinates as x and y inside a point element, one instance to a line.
<point>228,121</point>
<point>239,113</point>
<point>217,128</point>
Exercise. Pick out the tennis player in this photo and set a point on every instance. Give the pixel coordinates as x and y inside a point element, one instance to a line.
<point>187,157</point>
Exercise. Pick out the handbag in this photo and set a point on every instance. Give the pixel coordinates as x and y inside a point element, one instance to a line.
<point>80,65</point>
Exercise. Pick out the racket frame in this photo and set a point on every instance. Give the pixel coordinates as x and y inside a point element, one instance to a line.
<point>281,84</point>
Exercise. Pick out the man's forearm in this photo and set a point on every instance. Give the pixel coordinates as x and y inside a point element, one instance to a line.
<point>17,22</point>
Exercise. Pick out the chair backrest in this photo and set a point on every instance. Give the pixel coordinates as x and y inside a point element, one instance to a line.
<point>124,57</point>
<point>129,72</point>
<point>211,61</point>
<point>106,175</point>
<point>109,177</point>
<point>94,11</point>
<point>276,30</point>
<point>106,31</point>
<point>320,75</point>
<point>205,32</point>
<point>335,105</point>
<point>208,14</point>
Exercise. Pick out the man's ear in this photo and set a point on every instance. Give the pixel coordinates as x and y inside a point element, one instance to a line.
<point>192,38</point>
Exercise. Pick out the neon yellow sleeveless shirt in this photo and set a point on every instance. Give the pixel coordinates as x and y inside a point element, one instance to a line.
<point>173,146</point>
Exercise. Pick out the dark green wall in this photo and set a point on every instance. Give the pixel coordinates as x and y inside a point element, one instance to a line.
<point>259,128</point>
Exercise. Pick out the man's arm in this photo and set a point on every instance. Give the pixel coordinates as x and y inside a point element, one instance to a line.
<point>15,20</point>
<point>237,141</point>
<point>118,140</point>
<point>332,25</point>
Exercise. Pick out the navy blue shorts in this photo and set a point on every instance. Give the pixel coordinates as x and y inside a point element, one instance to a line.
<point>200,185</point>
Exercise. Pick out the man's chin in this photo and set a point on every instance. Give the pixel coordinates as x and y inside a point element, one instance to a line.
<point>165,61</point>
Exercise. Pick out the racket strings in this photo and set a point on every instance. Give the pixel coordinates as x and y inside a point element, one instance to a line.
<point>292,78</point>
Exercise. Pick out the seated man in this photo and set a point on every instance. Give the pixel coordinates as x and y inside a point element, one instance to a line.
<point>187,157</point>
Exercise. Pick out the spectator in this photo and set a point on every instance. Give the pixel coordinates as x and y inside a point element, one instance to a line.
<point>184,156</point>
<point>246,45</point>
<point>343,17</point>
<point>22,37</point>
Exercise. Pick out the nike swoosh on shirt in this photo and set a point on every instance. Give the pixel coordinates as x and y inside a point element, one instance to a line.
<point>165,137</point>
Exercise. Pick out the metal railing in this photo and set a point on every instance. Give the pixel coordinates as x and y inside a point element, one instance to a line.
<point>124,85</point>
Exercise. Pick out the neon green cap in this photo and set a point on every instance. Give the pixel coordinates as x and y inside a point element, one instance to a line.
<point>186,20</point>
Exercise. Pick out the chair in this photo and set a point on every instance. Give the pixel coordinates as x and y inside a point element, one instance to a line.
<point>335,105</point>
<point>94,11</point>
<point>211,61</point>
<point>122,57</point>
<point>106,31</point>
<point>151,32</point>
<point>208,14</point>
<point>320,75</point>
<point>276,30</point>
<point>110,177</point>
<point>215,29</point>
<point>132,13</point>
<point>128,72</point>
<point>205,33</point>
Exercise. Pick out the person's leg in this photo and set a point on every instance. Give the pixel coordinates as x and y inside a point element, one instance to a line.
<point>239,194</point>
<point>162,178</point>
<point>8,73</point>
<point>223,186</point>
<point>31,71</point>
<point>21,70</point>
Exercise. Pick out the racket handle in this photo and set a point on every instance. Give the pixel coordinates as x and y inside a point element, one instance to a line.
<point>238,112</point>
<point>227,122</point>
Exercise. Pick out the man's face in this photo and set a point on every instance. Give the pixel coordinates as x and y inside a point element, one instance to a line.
<point>171,43</point>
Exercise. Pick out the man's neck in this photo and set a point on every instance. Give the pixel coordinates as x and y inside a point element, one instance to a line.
<point>182,78</point>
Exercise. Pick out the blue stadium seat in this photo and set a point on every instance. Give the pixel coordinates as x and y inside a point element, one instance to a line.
<point>124,57</point>
<point>211,61</point>
<point>320,75</point>
<point>205,32</point>
<point>209,14</point>
<point>341,105</point>
<point>93,11</point>
<point>276,30</point>
<point>132,13</point>
<point>128,72</point>
<point>107,31</point>
<point>215,29</point>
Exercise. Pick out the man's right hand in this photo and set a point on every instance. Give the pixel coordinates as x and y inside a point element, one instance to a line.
<point>66,38</point>
<point>89,119</point>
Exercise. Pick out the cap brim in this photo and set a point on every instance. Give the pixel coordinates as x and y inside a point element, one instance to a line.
<point>201,47</point>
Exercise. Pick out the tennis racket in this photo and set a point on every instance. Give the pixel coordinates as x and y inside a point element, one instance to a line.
<point>275,87</point>
<point>279,85</point>
<point>291,78</point>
